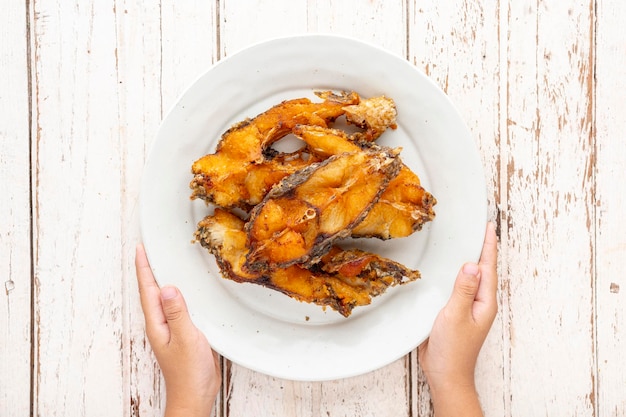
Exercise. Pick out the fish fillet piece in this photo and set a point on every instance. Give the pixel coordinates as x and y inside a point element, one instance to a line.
<point>244,166</point>
<point>301,217</point>
<point>402,208</point>
<point>375,115</point>
<point>342,280</point>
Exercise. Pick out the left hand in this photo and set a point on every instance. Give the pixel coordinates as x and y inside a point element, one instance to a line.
<point>190,367</point>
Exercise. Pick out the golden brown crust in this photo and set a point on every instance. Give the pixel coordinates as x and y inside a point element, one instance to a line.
<point>374,115</point>
<point>342,280</point>
<point>404,206</point>
<point>305,213</point>
<point>243,168</point>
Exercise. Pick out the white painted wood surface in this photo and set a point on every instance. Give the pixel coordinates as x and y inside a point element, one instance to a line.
<point>85,84</point>
<point>610,206</point>
<point>15,213</point>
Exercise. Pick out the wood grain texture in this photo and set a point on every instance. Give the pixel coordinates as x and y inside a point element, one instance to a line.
<point>245,23</point>
<point>78,323</point>
<point>189,45</point>
<point>15,251</point>
<point>85,85</point>
<point>381,23</point>
<point>444,37</point>
<point>162,46</point>
<point>138,72</point>
<point>548,279</point>
<point>610,199</point>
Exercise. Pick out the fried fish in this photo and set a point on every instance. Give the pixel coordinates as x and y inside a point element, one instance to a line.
<point>342,280</point>
<point>244,166</point>
<point>374,115</point>
<point>299,204</point>
<point>304,214</point>
<point>403,207</point>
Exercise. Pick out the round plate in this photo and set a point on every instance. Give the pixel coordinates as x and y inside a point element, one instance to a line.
<point>265,330</point>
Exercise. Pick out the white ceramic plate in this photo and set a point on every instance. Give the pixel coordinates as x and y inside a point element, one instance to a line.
<point>263,329</point>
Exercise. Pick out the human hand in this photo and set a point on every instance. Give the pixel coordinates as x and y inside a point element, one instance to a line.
<point>190,367</point>
<point>448,357</point>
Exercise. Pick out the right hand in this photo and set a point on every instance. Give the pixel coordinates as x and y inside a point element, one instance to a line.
<point>448,357</point>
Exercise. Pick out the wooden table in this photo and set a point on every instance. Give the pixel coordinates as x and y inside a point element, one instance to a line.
<point>85,84</point>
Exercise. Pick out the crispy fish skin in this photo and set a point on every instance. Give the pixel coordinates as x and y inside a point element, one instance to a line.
<point>353,263</point>
<point>244,167</point>
<point>402,209</point>
<point>303,215</point>
<point>375,115</point>
<point>343,280</point>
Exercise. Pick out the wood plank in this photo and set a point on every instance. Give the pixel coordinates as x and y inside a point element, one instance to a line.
<point>78,314</point>
<point>381,23</point>
<point>190,45</point>
<point>15,230</point>
<point>548,209</point>
<point>384,392</point>
<point>251,393</point>
<point>369,394</point>
<point>610,235</point>
<point>138,66</point>
<point>261,19</point>
<point>457,44</point>
<point>162,46</point>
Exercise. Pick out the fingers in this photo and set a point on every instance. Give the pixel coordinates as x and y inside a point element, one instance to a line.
<point>486,306</point>
<point>487,265</point>
<point>464,292</point>
<point>149,290</point>
<point>489,254</point>
<point>150,295</point>
<point>164,309</point>
<point>176,313</point>
<point>478,282</point>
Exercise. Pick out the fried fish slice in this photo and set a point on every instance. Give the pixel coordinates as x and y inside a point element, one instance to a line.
<point>343,280</point>
<point>404,206</point>
<point>301,217</point>
<point>358,264</point>
<point>375,115</point>
<point>244,167</point>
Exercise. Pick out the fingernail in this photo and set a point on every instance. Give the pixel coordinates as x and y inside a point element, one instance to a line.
<point>167,293</point>
<point>470,269</point>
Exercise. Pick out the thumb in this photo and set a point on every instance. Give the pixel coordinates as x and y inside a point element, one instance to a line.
<point>175,311</point>
<point>465,289</point>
